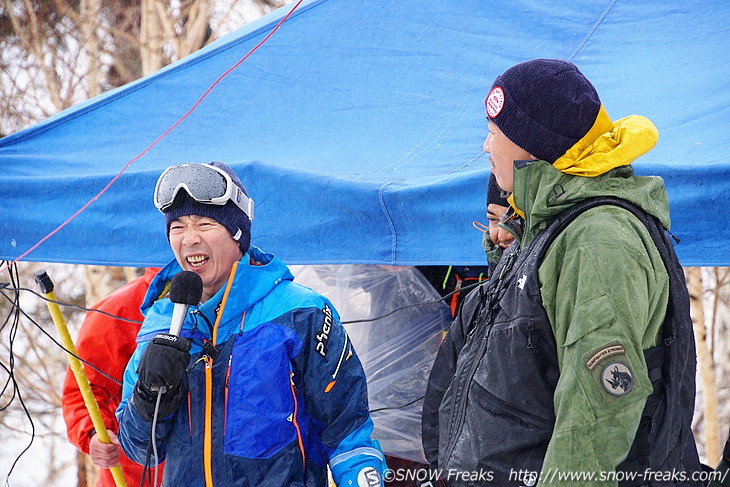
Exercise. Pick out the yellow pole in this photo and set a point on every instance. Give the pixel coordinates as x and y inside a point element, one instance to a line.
<point>78,369</point>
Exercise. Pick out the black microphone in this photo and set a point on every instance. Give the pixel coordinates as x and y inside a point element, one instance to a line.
<point>186,289</point>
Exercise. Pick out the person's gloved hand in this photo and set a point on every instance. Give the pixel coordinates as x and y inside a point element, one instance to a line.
<point>162,369</point>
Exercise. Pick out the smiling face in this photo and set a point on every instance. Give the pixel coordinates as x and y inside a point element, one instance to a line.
<point>204,246</point>
<point>502,156</point>
<point>498,235</point>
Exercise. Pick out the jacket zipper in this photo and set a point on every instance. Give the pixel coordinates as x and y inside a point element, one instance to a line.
<point>512,411</point>
<point>493,296</point>
<point>295,421</point>
<point>457,421</point>
<point>225,394</point>
<point>207,435</point>
<point>208,430</point>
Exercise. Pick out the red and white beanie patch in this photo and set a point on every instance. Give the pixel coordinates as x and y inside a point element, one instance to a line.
<point>495,101</point>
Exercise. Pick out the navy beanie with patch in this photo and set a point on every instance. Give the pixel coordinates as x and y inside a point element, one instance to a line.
<point>544,106</point>
<point>229,215</point>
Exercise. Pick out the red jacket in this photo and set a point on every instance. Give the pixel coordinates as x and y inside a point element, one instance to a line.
<point>106,343</point>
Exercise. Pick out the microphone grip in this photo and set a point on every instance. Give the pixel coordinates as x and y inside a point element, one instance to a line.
<point>179,311</point>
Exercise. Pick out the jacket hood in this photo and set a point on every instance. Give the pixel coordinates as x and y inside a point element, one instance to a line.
<point>257,273</point>
<point>608,145</point>
<point>601,168</point>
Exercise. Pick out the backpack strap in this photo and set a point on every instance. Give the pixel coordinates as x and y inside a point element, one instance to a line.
<point>667,416</point>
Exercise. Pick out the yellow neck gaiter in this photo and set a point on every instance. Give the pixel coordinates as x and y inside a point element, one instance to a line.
<point>606,146</point>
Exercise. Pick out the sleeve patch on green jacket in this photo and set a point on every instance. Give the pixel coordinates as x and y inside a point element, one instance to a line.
<point>611,371</point>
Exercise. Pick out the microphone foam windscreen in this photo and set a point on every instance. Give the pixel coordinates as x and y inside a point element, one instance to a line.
<point>186,287</point>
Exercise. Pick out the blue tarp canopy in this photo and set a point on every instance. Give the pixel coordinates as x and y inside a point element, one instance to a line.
<point>358,129</point>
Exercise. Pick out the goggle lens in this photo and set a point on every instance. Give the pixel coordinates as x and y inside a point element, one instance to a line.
<point>201,181</point>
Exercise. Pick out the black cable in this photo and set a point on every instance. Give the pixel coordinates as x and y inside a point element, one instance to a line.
<point>366,320</point>
<point>462,289</point>
<point>402,406</point>
<point>153,437</point>
<point>152,446</point>
<point>8,370</point>
<point>71,305</point>
<point>442,298</point>
<point>14,316</point>
<point>147,468</point>
<point>56,342</point>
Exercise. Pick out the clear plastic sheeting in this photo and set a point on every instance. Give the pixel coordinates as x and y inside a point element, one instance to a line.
<point>397,348</point>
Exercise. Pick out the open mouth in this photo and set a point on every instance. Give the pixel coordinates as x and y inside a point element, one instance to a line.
<point>196,261</point>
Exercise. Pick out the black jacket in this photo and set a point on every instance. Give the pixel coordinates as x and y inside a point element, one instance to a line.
<point>488,405</point>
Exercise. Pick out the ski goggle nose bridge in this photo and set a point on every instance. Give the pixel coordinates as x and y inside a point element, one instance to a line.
<point>204,183</point>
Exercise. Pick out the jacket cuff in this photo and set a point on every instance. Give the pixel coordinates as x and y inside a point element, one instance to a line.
<point>362,467</point>
<point>358,459</point>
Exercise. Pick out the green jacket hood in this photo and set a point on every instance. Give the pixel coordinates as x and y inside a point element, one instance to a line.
<point>541,192</point>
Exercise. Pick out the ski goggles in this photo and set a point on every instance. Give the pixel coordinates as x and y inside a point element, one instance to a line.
<point>204,183</point>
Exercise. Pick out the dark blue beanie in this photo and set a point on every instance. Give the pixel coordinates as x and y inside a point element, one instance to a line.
<point>228,215</point>
<point>495,195</point>
<point>544,106</point>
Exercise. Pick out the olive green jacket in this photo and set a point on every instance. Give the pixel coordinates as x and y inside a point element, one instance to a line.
<point>603,283</point>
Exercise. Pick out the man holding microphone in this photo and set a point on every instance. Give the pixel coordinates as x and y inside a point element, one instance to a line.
<point>262,387</point>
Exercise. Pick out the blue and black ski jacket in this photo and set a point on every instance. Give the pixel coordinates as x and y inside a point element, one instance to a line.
<point>286,394</point>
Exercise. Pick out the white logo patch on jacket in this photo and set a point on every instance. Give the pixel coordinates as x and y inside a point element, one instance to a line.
<point>368,477</point>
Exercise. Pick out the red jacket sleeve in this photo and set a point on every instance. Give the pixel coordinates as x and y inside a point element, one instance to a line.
<point>107,343</point>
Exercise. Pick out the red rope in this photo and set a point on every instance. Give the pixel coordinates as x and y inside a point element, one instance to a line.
<point>149,147</point>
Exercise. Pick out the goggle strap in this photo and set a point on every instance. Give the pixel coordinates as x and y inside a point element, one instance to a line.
<point>250,209</point>
<point>243,202</point>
